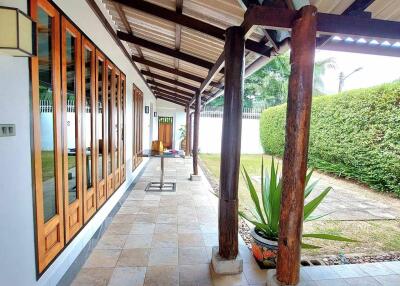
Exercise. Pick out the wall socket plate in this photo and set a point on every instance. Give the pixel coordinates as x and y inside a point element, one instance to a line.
<point>7,130</point>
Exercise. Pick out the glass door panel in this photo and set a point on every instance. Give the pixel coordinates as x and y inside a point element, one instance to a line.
<point>122,128</point>
<point>71,82</point>
<point>109,128</point>
<point>88,130</point>
<point>116,130</point>
<point>47,134</point>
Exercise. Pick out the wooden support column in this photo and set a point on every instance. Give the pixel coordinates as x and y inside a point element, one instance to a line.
<point>231,139</point>
<point>303,41</point>
<point>187,147</point>
<point>196,126</point>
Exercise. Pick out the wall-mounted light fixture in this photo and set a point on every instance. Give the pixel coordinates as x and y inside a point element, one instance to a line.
<point>155,114</point>
<point>146,109</point>
<point>17,33</point>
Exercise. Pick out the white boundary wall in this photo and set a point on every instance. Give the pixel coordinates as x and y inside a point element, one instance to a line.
<point>211,134</point>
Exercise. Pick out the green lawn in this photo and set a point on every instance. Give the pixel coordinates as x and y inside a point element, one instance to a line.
<point>48,164</point>
<point>375,236</point>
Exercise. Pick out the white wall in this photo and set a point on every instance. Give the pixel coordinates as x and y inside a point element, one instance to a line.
<point>210,135</point>
<point>17,238</point>
<point>165,108</point>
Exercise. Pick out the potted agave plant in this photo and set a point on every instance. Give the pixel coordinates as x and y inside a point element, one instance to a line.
<point>265,214</point>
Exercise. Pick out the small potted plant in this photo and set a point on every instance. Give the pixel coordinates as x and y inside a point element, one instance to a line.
<point>265,214</point>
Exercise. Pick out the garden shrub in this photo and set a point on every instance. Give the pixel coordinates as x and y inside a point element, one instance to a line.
<point>355,134</point>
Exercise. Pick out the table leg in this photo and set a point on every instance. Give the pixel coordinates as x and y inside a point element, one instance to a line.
<point>162,173</point>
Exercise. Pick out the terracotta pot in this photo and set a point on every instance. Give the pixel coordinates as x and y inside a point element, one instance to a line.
<point>264,250</point>
<point>183,144</point>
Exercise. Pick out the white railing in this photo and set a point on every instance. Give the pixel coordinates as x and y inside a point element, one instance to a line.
<point>218,112</point>
<point>46,106</point>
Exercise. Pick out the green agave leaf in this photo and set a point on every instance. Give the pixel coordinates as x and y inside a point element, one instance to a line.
<point>311,218</point>
<point>311,206</point>
<point>265,193</point>
<point>310,188</point>
<point>309,246</point>
<point>253,194</point>
<point>328,237</point>
<point>275,198</point>
<point>261,226</point>
<point>308,176</point>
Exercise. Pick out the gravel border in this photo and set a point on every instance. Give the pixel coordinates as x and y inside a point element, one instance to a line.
<point>352,258</point>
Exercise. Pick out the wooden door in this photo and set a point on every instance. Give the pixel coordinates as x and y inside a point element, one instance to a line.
<point>71,103</point>
<point>100,122</point>
<point>109,127</point>
<point>47,159</point>
<point>116,128</point>
<point>138,127</point>
<point>88,129</point>
<point>165,131</point>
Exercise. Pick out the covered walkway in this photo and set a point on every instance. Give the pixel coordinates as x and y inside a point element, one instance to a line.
<point>166,239</point>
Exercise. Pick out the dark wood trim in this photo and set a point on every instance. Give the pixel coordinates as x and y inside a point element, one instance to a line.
<point>189,22</point>
<point>231,143</point>
<point>298,115</point>
<point>169,80</point>
<point>171,70</point>
<point>171,94</point>
<point>107,26</point>
<point>164,50</point>
<point>187,147</point>
<point>170,88</point>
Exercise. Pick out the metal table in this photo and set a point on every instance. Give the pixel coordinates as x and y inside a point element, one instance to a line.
<point>162,186</point>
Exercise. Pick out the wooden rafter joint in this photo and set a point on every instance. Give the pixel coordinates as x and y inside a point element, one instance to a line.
<point>327,24</point>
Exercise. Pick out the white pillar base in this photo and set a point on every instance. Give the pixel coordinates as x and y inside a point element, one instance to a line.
<point>195,177</point>
<point>223,266</point>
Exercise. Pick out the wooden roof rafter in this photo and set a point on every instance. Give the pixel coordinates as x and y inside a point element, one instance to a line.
<point>170,88</point>
<point>166,98</point>
<point>169,80</point>
<point>189,22</point>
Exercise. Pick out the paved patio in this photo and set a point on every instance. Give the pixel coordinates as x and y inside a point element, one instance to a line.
<point>166,239</point>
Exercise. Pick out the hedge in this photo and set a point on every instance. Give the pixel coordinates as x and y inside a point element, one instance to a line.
<point>354,135</point>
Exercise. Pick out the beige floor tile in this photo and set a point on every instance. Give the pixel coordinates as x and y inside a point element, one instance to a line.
<point>167,218</point>
<point>112,241</point>
<point>145,218</point>
<point>93,277</point>
<point>362,281</point>
<point>167,210</point>
<point>228,280</point>
<point>166,228</point>
<point>124,218</point>
<point>210,239</point>
<point>165,240</point>
<point>134,257</point>
<point>193,255</point>
<point>189,228</point>
<point>191,275</point>
<point>162,276</point>
<point>119,228</point>
<point>389,280</point>
<point>163,256</point>
<point>142,228</point>
<point>128,276</point>
<point>332,282</point>
<point>253,273</point>
<point>190,240</point>
<point>102,258</point>
<point>138,241</point>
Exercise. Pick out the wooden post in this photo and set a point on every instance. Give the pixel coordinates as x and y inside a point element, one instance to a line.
<point>303,43</point>
<point>197,105</point>
<point>230,146</point>
<point>187,147</point>
<point>191,132</point>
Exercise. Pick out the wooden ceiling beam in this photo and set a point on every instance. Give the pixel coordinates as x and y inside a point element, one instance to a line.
<point>171,88</point>
<point>164,50</point>
<point>171,70</point>
<point>160,96</point>
<point>169,80</point>
<point>189,22</point>
<point>170,93</point>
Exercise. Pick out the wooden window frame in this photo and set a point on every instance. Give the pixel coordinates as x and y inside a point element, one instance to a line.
<point>73,212</point>
<point>101,184</point>
<point>123,127</point>
<point>116,128</point>
<point>89,195</point>
<point>109,176</point>
<point>50,234</point>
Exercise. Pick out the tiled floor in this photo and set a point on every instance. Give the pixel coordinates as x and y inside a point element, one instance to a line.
<point>166,239</point>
